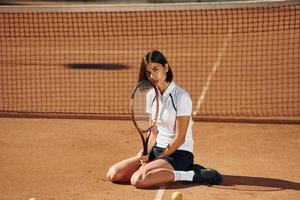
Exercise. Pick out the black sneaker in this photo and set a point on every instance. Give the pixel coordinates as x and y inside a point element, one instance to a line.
<point>206,175</point>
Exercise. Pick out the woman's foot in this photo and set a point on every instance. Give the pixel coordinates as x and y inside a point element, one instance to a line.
<point>206,175</point>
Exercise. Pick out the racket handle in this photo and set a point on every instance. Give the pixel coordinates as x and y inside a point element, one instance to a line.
<point>145,150</point>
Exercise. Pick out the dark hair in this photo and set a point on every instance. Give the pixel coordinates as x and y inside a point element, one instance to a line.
<point>155,57</point>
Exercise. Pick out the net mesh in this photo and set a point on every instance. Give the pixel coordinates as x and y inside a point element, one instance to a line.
<point>238,62</point>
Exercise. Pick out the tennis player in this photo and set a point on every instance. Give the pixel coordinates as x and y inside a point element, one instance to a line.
<point>171,142</point>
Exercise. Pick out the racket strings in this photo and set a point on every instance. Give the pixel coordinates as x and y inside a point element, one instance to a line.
<point>144,100</point>
<point>142,117</point>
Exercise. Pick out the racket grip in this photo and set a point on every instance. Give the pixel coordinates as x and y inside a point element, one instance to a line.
<point>145,150</point>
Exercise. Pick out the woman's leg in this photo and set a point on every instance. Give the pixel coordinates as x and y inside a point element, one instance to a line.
<point>123,170</point>
<point>155,173</point>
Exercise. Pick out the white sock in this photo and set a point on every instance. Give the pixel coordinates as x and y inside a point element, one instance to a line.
<point>183,175</point>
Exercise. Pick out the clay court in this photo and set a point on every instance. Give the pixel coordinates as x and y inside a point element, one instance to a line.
<point>66,77</point>
<point>51,159</point>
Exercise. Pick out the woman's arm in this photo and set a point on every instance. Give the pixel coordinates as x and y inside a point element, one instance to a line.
<point>182,123</point>
<point>152,139</point>
<point>151,143</point>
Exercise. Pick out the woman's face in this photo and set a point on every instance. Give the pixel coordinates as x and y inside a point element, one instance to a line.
<point>157,73</point>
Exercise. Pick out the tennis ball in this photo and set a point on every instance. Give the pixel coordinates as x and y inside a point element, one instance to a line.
<point>176,196</point>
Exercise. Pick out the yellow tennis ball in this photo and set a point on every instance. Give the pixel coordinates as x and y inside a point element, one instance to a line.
<point>176,196</point>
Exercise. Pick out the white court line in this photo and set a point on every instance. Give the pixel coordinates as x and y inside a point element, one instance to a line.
<point>160,192</point>
<point>214,69</point>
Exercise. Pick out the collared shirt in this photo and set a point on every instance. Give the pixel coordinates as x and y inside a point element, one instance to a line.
<point>174,102</point>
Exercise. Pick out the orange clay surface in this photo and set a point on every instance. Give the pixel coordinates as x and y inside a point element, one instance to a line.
<point>61,159</point>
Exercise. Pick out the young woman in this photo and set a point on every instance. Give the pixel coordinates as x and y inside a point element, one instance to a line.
<point>171,142</point>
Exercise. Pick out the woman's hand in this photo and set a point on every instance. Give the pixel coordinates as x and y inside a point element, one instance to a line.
<point>144,159</point>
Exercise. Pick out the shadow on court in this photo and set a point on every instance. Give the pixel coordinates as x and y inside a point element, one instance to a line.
<point>245,183</point>
<point>101,66</point>
<point>248,183</point>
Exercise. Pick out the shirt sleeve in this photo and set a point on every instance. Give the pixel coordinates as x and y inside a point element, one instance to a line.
<point>184,105</point>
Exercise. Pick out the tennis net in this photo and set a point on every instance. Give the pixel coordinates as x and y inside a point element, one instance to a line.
<point>239,61</point>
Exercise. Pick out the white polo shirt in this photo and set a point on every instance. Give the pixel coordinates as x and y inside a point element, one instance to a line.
<point>174,102</point>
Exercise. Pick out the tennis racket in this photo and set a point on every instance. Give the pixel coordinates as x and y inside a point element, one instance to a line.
<point>144,110</point>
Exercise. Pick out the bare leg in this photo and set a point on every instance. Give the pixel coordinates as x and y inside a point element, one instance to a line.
<point>123,170</point>
<point>155,173</point>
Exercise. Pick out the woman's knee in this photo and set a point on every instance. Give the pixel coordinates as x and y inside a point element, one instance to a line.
<point>112,174</point>
<point>139,180</point>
